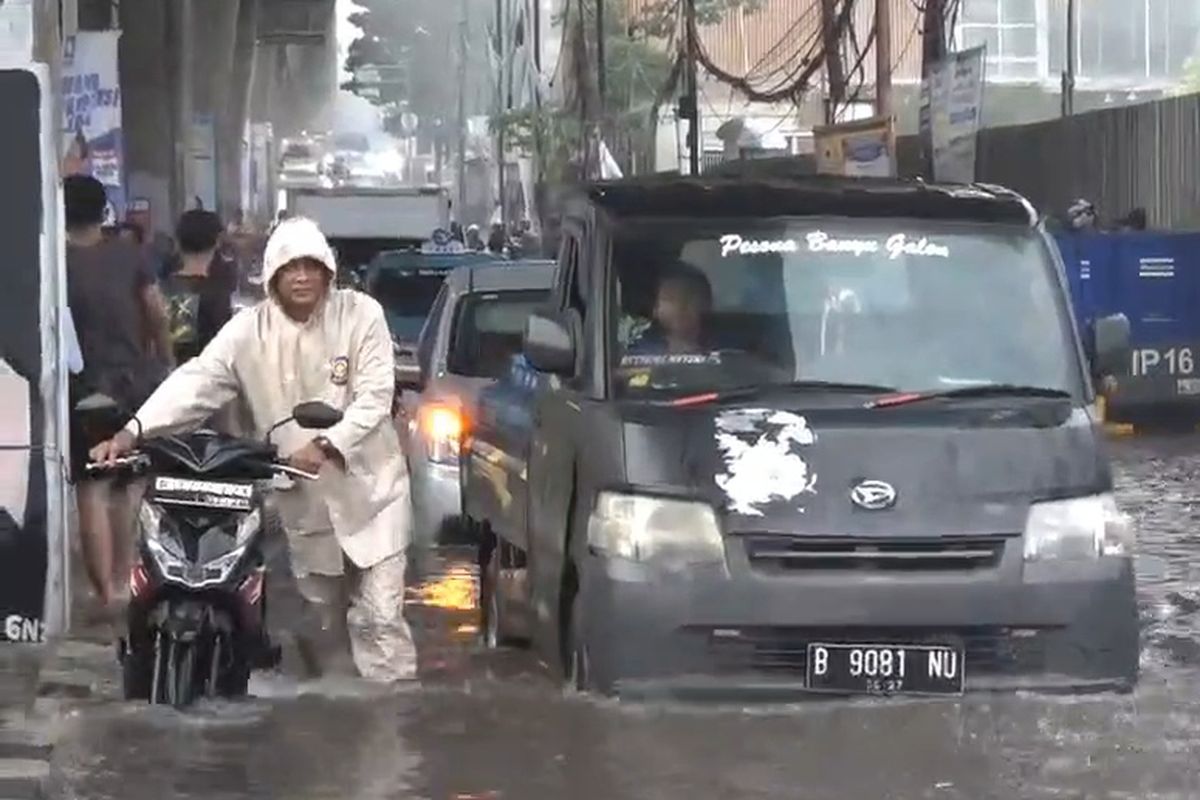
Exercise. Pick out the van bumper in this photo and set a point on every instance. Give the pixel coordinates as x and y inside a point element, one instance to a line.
<point>1049,628</point>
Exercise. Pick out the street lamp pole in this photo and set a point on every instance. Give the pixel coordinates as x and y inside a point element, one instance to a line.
<point>462,112</point>
<point>692,107</point>
<point>1068,76</point>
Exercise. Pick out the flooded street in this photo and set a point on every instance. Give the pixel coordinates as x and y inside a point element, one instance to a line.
<point>489,725</point>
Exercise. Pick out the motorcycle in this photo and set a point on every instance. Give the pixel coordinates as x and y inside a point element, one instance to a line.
<point>196,623</point>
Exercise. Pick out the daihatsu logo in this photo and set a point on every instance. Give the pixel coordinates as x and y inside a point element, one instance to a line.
<point>873,495</point>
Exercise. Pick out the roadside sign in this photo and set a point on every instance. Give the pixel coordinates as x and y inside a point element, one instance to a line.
<point>442,242</point>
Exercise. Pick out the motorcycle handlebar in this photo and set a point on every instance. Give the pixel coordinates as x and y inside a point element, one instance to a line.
<point>135,461</point>
<point>131,461</point>
<point>287,469</point>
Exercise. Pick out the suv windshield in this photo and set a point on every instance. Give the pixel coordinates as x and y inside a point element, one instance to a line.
<point>406,300</point>
<point>488,331</point>
<point>910,304</point>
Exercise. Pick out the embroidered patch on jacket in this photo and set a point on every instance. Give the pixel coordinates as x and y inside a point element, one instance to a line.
<point>339,371</point>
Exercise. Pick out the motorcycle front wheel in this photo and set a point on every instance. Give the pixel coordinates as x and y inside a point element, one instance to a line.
<point>175,680</point>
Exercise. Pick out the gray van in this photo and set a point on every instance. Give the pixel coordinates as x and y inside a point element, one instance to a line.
<point>818,435</point>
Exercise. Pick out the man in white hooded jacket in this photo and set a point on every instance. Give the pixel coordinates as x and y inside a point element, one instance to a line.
<point>310,341</point>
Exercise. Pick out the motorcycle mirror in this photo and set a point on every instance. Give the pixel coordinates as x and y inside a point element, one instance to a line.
<point>316,415</point>
<point>97,402</point>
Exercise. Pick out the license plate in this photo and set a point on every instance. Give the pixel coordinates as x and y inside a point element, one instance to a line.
<point>1187,386</point>
<point>205,494</point>
<point>885,669</point>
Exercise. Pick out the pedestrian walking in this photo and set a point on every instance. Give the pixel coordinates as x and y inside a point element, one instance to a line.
<point>199,294</point>
<point>120,321</point>
<point>348,530</point>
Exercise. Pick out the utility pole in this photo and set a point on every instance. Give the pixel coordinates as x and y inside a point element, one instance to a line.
<point>883,58</point>
<point>1068,76</point>
<point>933,50</point>
<point>600,78</point>
<point>690,103</point>
<point>834,74</point>
<point>186,33</point>
<point>502,105</point>
<point>461,168</point>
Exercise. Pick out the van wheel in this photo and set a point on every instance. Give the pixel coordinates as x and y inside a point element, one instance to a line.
<point>489,607</point>
<point>577,666</point>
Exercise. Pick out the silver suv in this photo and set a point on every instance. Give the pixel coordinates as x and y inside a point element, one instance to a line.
<point>473,330</point>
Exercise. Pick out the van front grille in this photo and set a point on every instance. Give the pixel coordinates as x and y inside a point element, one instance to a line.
<point>776,553</point>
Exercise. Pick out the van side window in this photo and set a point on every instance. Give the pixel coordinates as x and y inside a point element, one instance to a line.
<point>429,331</point>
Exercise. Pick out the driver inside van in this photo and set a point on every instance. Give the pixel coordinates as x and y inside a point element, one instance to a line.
<point>682,305</point>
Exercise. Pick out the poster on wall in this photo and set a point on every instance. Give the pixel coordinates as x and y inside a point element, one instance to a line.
<point>951,113</point>
<point>32,486</point>
<point>91,96</point>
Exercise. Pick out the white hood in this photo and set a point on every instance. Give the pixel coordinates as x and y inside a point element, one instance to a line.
<point>295,238</point>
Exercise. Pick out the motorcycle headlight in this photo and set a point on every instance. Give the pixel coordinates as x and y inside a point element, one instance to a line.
<point>1079,528</point>
<point>158,531</point>
<point>668,534</point>
<point>247,526</point>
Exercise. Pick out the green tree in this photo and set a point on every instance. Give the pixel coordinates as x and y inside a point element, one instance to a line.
<point>415,45</point>
<point>1191,78</point>
<point>1191,71</point>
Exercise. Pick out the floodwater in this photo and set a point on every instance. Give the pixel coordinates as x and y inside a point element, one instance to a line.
<point>492,725</point>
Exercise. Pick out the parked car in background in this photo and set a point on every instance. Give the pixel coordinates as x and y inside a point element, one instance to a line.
<point>473,330</point>
<point>406,283</point>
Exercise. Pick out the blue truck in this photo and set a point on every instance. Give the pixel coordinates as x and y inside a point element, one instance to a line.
<point>1154,280</point>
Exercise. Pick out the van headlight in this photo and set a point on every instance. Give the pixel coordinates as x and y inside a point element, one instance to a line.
<point>668,534</point>
<point>1079,528</point>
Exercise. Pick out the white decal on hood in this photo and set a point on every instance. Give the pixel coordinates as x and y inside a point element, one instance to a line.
<point>758,446</point>
<point>896,245</point>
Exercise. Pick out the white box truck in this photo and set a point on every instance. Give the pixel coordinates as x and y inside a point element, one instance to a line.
<point>362,221</point>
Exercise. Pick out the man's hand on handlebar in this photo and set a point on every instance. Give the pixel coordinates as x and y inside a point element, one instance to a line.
<point>309,458</point>
<point>109,451</point>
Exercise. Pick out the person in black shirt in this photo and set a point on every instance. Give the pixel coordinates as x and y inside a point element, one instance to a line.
<point>199,294</point>
<point>119,317</point>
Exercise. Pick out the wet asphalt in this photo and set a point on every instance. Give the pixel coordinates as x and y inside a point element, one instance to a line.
<point>494,725</point>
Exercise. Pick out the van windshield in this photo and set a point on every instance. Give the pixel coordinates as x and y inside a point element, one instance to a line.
<point>911,304</point>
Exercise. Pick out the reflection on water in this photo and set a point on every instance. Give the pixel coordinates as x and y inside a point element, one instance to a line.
<point>456,588</point>
<point>475,730</point>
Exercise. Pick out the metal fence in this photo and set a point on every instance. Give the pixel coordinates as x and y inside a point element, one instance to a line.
<point>1145,156</point>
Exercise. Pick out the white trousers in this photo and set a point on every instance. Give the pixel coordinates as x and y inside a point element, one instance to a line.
<point>381,642</point>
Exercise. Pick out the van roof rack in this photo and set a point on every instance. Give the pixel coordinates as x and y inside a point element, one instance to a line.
<point>814,195</point>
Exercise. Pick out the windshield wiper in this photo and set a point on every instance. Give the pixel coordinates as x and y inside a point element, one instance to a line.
<point>739,392</point>
<point>983,390</point>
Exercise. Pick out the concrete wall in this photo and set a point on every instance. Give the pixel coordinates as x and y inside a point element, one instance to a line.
<point>234,79</point>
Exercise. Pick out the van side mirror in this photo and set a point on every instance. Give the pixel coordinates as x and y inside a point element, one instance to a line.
<point>1111,348</point>
<point>549,344</point>
<point>408,369</point>
<point>316,415</point>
